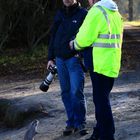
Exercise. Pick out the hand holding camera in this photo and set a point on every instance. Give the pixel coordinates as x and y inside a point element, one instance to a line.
<point>48,80</point>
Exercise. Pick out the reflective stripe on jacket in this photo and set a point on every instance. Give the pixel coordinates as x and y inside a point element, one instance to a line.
<point>102,29</point>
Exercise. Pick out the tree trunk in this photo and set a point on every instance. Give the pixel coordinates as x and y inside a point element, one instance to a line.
<point>2,18</point>
<point>130,7</point>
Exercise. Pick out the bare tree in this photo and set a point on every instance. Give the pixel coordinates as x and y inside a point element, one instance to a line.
<point>26,23</point>
<point>130,7</point>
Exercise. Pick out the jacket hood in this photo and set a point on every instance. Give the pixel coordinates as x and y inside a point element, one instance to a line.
<point>109,4</point>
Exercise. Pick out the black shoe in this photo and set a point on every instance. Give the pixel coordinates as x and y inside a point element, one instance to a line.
<point>93,137</point>
<point>68,131</point>
<point>82,130</point>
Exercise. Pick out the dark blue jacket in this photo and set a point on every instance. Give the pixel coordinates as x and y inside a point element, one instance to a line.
<point>66,25</point>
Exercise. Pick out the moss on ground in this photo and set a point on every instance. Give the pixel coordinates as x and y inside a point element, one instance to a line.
<point>22,61</point>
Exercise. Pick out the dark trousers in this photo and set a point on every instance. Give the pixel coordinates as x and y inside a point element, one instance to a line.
<point>102,86</point>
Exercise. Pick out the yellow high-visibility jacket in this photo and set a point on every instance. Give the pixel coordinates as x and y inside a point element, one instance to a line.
<point>102,29</point>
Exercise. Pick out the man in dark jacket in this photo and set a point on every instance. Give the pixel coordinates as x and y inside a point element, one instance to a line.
<point>66,24</point>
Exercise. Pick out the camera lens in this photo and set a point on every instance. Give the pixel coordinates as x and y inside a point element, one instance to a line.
<point>44,87</point>
<point>45,84</point>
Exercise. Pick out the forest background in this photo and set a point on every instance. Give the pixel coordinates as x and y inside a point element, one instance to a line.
<point>24,36</point>
<point>25,31</point>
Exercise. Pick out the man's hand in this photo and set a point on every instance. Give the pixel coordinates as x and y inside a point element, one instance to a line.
<point>50,63</point>
<point>71,44</point>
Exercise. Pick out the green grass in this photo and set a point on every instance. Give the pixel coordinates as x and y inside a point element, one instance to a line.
<point>35,55</point>
<point>24,61</point>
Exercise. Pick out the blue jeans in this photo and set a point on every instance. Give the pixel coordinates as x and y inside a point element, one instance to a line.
<point>71,79</point>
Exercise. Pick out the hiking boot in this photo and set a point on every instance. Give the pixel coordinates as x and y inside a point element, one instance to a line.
<point>68,131</point>
<point>93,137</point>
<point>81,130</point>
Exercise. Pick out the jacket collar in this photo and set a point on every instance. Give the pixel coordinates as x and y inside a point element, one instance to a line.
<point>69,11</point>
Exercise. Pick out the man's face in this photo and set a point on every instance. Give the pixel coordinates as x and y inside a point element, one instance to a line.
<point>69,2</point>
<point>91,2</point>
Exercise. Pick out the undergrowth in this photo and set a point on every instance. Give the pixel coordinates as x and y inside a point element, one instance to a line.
<point>16,61</point>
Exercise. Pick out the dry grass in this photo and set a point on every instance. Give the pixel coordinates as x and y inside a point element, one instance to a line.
<point>133,23</point>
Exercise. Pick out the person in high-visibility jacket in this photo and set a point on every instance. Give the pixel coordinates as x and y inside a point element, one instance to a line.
<point>102,30</point>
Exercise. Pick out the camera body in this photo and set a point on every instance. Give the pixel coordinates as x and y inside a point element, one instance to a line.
<point>48,79</point>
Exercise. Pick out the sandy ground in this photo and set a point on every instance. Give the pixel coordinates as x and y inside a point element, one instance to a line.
<point>125,101</point>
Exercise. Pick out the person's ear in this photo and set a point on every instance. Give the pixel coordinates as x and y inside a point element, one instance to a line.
<point>91,2</point>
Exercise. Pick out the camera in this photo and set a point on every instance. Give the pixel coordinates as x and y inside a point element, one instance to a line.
<point>47,81</point>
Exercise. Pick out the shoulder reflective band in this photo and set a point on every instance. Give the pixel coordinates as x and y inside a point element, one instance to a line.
<point>109,36</point>
<point>106,17</point>
<point>106,45</point>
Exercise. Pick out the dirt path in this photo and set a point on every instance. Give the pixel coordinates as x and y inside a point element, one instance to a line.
<point>125,100</point>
